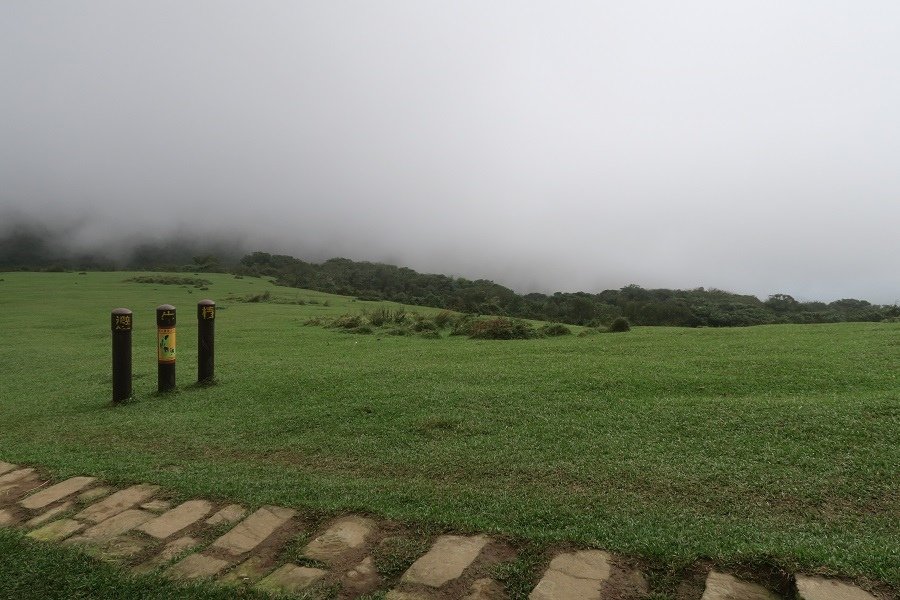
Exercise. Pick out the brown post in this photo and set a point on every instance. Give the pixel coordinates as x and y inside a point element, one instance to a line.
<point>121,322</point>
<point>206,332</point>
<point>165,347</point>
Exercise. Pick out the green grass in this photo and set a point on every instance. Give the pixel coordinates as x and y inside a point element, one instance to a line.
<point>773,445</point>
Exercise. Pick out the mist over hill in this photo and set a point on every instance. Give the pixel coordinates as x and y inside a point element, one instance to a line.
<point>31,245</point>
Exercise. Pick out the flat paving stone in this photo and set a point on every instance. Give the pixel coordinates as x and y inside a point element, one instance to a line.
<point>124,547</point>
<point>157,506</point>
<point>7,518</point>
<point>197,566</point>
<point>56,492</point>
<point>486,589</point>
<point>721,586</point>
<point>50,514</point>
<point>346,534</point>
<point>400,595</point>
<point>253,530</point>
<point>290,579</point>
<point>11,492</point>
<point>249,571</point>
<point>6,467</point>
<point>118,502</point>
<point>117,525</point>
<point>169,552</point>
<point>94,493</point>
<point>574,576</point>
<point>819,588</point>
<point>16,476</point>
<point>56,531</point>
<point>362,577</point>
<point>173,521</point>
<point>230,514</point>
<point>448,558</point>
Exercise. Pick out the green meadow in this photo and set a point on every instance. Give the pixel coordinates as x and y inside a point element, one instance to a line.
<point>770,446</point>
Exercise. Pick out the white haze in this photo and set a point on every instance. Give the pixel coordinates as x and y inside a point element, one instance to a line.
<point>750,146</point>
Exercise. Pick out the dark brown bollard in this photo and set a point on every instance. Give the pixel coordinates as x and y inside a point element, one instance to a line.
<point>122,322</point>
<point>165,347</point>
<point>206,333</point>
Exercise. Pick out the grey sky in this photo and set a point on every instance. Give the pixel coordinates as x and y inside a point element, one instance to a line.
<point>752,146</point>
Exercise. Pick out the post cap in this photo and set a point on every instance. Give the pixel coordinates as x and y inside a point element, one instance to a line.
<point>121,319</point>
<point>165,315</point>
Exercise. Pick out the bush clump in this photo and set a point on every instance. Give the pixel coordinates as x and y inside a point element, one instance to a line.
<point>443,318</point>
<point>555,330</point>
<point>501,328</point>
<point>263,297</point>
<point>169,280</point>
<point>619,325</point>
<point>347,322</point>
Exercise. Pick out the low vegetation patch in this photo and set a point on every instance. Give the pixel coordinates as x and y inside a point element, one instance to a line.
<point>170,280</point>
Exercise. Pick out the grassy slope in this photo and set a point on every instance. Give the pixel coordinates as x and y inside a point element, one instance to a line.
<point>771,444</point>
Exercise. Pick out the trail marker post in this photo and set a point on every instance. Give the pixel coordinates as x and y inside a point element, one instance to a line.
<point>206,332</point>
<point>165,347</point>
<point>122,321</point>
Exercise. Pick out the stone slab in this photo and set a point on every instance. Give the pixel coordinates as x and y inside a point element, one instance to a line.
<point>50,514</point>
<point>574,576</point>
<point>290,579</point>
<point>247,572</point>
<point>11,492</point>
<point>721,586</point>
<point>230,514</point>
<point>124,547</point>
<point>346,534</point>
<point>400,595</point>
<point>197,566</point>
<point>6,467</point>
<point>118,502</point>
<point>117,525</point>
<point>362,577</point>
<point>94,494</point>
<point>448,558</point>
<point>56,531</point>
<point>169,552</point>
<point>486,589</point>
<point>56,492</point>
<point>819,588</point>
<point>7,518</point>
<point>173,521</point>
<point>157,506</point>
<point>253,530</point>
<point>16,476</point>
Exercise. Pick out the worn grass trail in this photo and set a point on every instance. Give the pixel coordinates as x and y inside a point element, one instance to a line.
<point>769,445</point>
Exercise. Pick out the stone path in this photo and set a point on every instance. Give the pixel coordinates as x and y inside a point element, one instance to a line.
<point>273,549</point>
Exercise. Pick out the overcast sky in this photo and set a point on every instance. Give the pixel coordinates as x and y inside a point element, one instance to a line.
<point>752,146</point>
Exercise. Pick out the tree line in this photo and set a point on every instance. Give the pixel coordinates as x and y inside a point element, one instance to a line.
<point>688,308</point>
<point>31,248</point>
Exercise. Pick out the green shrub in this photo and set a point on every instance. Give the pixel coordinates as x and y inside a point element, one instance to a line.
<point>363,329</point>
<point>461,325</point>
<point>443,318</point>
<point>380,316</point>
<point>263,297</point>
<point>347,322</point>
<point>555,329</point>
<point>398,331</point>
<point>619,325</point>
<point>501,328</point>
<point>430,335</point>
<point>422,325</point>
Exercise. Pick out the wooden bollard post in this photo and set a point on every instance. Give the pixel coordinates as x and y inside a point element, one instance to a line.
<point>121,322</point>
<point>206,333</point>
<point>165,347</point>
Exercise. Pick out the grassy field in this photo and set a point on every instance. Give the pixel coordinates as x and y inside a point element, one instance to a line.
<point>773,445</point>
